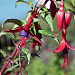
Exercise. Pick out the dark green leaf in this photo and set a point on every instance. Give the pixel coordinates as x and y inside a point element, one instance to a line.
<point>73,2</point>
<point>27,16</point>
<point>49,34</point>
<point>27,52</point>
<point>35,54</point>
<point>27,41</point>
<point>3,52</point>
<point>11,68</point>
<point>46,33</point>
<point>36,20</point>
<point>16,21</point>
<point>68,7</point>
<point>26,2</point>
<point>15,26</point>
<point>11,35</point>
<point>23,22</point>
<point>48,19</point>
<point>28,56</point>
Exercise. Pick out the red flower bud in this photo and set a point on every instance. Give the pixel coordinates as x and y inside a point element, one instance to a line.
<point>67,18</point>
<point>60,16</point>
<point>52,9</point>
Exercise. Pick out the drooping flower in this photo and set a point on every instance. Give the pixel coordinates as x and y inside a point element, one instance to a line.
<point>65,54</point>
<point>63,47</point>
<point>38,35</point>
<point>26,28</point>
<point>60,16</point>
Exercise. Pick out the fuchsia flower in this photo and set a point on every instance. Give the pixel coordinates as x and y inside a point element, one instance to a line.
<point>60,16</point>
<point>63,46</point>
<point>67,18</point>
<point>39,36</point>
<point>26,28</point>
<point>63,20</point>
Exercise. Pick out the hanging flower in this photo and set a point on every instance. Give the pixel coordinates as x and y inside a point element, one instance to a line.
<point>63,47</point>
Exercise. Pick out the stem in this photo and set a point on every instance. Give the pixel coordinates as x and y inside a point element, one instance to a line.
<point>36,5</point>
<point>25,70</point>
<point>64,33</point>
<point>67,61</point>
<point>39,3</point>
<point>63,65</point>
<point>44,3</point>
<point>17,53</point>
<point>64,71</point>
<point>20,62</point>
<point>6,63</point>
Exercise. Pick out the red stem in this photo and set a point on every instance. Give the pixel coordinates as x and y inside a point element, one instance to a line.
<point>19,62</point>
<point>64,33</point>
<point>63,65</point>
<point>64,71</point>
<point>44,3</point>
<point>6,63</point>
<point>17,53</point>
<point>36,5</point>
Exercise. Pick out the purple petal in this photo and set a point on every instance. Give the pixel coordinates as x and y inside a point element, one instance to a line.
<point>65,51</point>
<point>24,33</point>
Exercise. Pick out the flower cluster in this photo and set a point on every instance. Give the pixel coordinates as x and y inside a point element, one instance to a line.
<point>63,20</point>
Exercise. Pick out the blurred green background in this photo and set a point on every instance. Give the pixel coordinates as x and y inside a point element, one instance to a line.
<point>48,63</point>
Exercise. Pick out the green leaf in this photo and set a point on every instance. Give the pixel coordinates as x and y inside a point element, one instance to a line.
<point>49,34</point>
<point>27,16</point>
<point>15,26</point>
<point>11,68</point>
<point>27,52</point>
<point>48,19</point>
<point>73,2</point>
<point>11,35</point>
<point>3,52</point>
<point>23,22</point>
<point>46,33</point>
<point>16,21</point>
<point>45,9</point>
<point>28,56</point>
<point>27,41</point>
<point>68,7</point>
<point>36,20</point>
<point>26,2</point>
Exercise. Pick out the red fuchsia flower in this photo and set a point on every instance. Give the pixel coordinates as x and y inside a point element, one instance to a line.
<point>52,9</point>
<point>26,28</point>
<point>39,36</point>
<point>60,16</point>
<point>67,18</point>
<point>63,47</point>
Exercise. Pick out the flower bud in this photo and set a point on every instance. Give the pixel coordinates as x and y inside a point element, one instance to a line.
<point>60,16</point>
<point>67,18</point>
<point>52,9</point>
